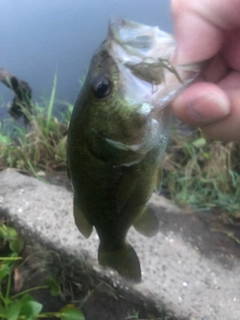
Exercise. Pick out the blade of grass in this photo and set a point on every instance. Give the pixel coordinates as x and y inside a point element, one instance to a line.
<point>35,173</point>
<point>51,102</point>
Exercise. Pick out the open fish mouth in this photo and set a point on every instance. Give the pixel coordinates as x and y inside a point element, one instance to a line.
<point>140,41</point>
<point>144,55</point>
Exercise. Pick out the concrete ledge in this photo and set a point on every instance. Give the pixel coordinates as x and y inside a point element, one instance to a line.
<point>175,271</point>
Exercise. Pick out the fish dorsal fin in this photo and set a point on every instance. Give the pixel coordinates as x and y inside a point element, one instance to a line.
<point>81,222</point>
<point>147,223</point>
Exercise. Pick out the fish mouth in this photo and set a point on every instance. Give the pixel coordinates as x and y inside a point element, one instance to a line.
<point>140,41</point>
<point>143,55</point>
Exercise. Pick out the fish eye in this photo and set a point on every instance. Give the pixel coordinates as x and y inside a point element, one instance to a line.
<point>101,86</point>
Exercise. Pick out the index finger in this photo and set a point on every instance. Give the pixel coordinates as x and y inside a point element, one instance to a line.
<point>200,26</point>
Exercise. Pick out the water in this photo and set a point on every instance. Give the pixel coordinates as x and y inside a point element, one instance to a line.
<point>41,37</point>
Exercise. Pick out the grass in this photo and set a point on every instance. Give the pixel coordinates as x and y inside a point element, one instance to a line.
<point>203,174</point>
<point>40,145</point>
<point>199,173</point>
<point>18,304</point>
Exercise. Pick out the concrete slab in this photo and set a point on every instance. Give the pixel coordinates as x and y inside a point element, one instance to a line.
<point>189,268</point>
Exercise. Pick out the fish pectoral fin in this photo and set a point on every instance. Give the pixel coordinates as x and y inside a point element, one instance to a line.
<point>124,260</point>
<point>81,222</point>
<point>147,223</point>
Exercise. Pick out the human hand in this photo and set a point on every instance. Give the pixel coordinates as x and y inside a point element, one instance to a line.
<point>206,29</point>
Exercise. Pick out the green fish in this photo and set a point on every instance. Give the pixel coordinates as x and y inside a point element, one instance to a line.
<point>118,134</point>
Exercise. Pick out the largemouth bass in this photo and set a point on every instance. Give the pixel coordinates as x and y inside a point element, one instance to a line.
<point>118,134</point>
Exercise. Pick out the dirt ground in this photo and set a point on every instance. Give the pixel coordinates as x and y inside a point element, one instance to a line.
<point>96,297</point>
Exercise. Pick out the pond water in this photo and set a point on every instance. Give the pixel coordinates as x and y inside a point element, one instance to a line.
<point>41,38</point>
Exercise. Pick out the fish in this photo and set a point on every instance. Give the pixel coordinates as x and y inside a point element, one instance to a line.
<point>117,136</point>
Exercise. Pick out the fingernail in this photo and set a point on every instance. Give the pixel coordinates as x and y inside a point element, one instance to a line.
<point>209,108</point>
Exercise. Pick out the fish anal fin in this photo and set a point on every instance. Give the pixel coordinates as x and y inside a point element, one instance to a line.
<point>81,222</point>
<point>124,260</point>
<point>147,223</point>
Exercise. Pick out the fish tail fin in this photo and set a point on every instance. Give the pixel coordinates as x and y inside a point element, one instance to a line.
<point>124,260</point>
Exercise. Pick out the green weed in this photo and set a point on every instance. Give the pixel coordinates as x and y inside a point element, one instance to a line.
<point>135,315</point>
<point>40,145</point>
<point>203,174</point>
<point>21,306</point>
